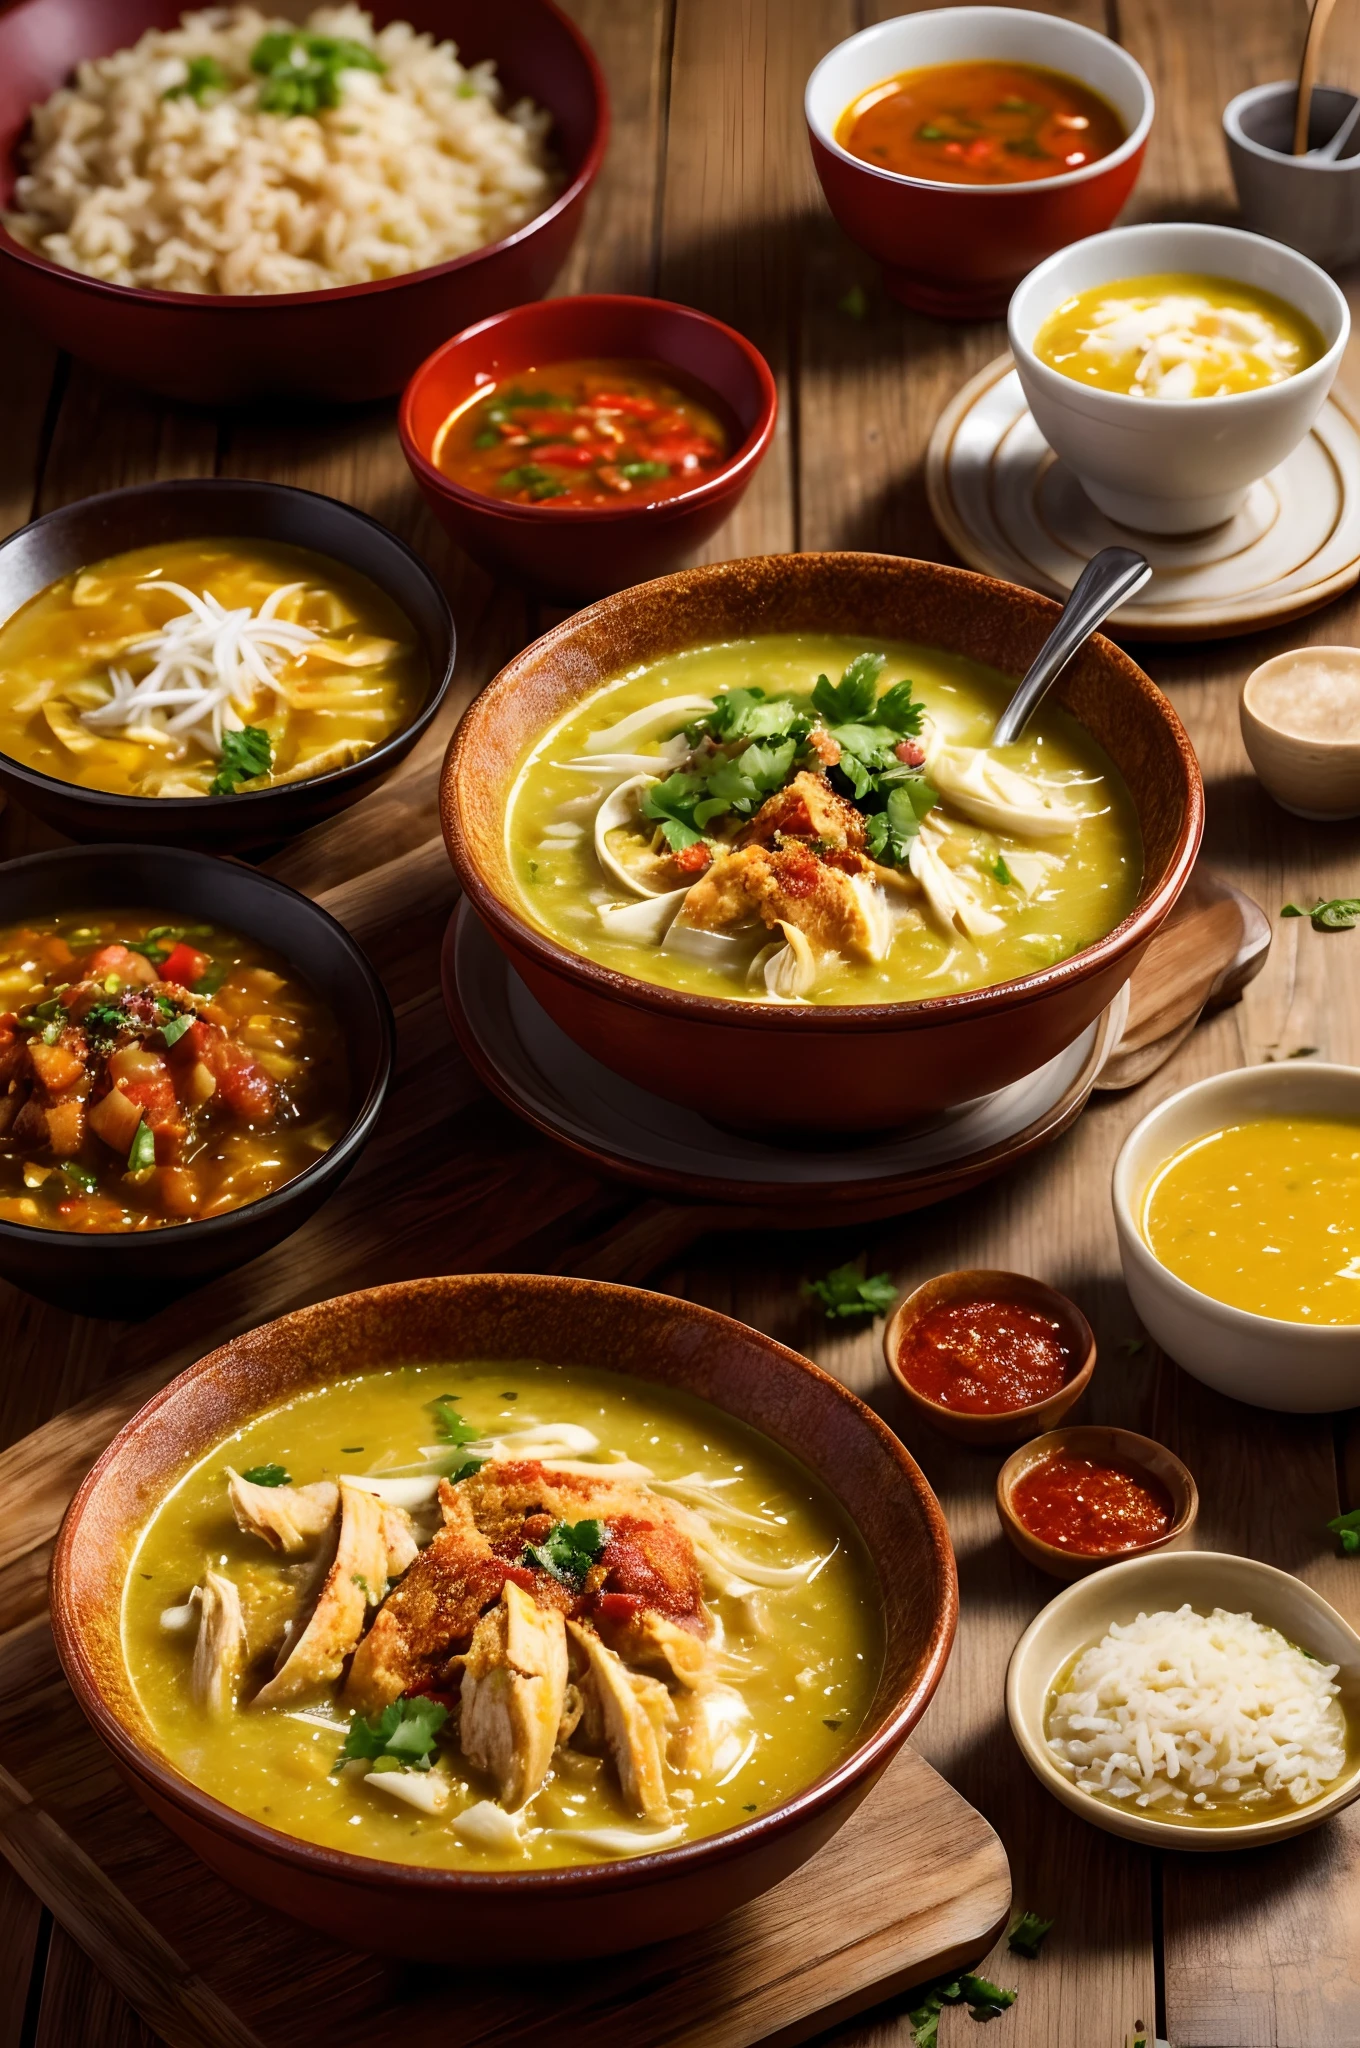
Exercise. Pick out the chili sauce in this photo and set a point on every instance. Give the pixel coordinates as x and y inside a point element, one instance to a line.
<point>1094,1509</point>
<point>980,124</point>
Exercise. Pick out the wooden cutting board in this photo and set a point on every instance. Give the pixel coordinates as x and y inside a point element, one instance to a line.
<point>919,1881</point>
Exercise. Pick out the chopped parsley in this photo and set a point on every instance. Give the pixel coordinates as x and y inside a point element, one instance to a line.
<point>1339,915</point>
<point>984,2000</point>
<point>246,753</point>
<point>203,75</point>
<point>450,1423</point>
<point>567,1551</point>
<point>1027,1933</point>
<point>301,72</point>
<point>1002,872</point>
<point>540,483</point>
<point>1346,1528</point>
<point>636,471</point>
<point>846,1291</point>
<point>404,1732</point>
<point>267,1475</point>
<point>889,832</point>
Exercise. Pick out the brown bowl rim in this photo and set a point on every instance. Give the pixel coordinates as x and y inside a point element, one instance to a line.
<point>737,467</point>
<point>793,1019</point>
<point>962,1422</point>
<point>570,195</point>
<point>341,1866</point>
<point>1132,1444</point>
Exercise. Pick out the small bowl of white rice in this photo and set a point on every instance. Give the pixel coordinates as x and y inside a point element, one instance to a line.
<point>1191,1700</point>
<point>248,202</point>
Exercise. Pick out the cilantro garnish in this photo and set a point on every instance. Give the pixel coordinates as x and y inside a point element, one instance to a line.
<point>1002,872</point>
<point>450,1423</point>
<point>203,75</point>
<point>749,715</point>
<point>267,1475</point>
<point>636,471</point>
<point>853,697</point>
<point>568,1550</point>
<point>540,483</point>
<point>847,1292</point>
<point>985,2001</point>
<point>302,72</point>
<point>404,1731</point>
<point>142,1151</point>
<point>1347,1529</point>
<point>1337,916</point>
<point>671,803</point>
<point>889,832</point>
<point>1026,1934</point>
<point>246,753</point>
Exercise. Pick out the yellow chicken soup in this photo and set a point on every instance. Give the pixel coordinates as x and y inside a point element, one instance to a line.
<point>733,822</point>
<point>203,668</point>
<point>1177,335</point>
<point>498,1615</point>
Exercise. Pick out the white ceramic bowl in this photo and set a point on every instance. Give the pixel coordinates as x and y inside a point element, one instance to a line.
<point>1163,465</point>
<point>1207,1579</point>
<point>1311,776</point>
<point>1300,1368</point>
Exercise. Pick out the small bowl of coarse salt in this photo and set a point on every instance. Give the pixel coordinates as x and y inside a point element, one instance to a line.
<point>1300,716</point>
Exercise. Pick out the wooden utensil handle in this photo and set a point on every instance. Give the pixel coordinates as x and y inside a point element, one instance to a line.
<point>1308,70</point>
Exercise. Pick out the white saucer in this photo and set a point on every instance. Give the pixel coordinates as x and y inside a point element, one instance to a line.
<point>1007,506</point>
<point>545,1077</point>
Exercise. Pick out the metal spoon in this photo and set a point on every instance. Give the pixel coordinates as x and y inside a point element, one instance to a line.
<point>1107,580</point>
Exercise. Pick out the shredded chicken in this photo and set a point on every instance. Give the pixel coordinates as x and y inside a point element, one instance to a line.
<point>288,1518</point>
<point>356,1581</point>
<point>831,898</point>
<point>513,1694</point>
<point>629,1716</point>
<point>219,1652</point>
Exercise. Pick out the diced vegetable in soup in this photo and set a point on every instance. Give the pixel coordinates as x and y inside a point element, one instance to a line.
<point>734,822</point>
<point>980,124</point>
<point>154,1071</point>
<point>498,1615</point>
<point>204,668</point>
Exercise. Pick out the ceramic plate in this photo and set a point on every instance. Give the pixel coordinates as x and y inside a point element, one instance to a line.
<point>1008,507</point>
<point>545,1077</point>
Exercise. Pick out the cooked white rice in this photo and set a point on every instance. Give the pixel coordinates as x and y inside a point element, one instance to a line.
<point>416,164</point>
<point>1191,1713</point>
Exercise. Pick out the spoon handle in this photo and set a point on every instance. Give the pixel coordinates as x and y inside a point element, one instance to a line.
<point>1308,71</point>
<point>1103,585</point>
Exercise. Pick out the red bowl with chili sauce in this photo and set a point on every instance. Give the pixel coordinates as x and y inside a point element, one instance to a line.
<point>353,342</point>
<point>955,248</point>
<point>1075,1500</point>
<point>543,534</point>
<point>990,1357</point>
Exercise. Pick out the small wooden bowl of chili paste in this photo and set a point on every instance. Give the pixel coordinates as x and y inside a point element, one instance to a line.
<point>990,1357</point>
<point>1077,1499</point>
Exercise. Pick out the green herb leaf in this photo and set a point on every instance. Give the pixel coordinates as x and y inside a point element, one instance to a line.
<point>246,753</point>
<point>1002,872</point>
<point>748,715</point>
<point>406,1732</point>
<point>533,478</point>
<point>847,1292</point>
<point>985,2001</point>
<point>80,1176</point>
<point>1347,1529</point>
<point>901,709</point>
<point>302,72</point>
<point>212,978</point>
<point>142,1151</point>
<point>174,1029</point>
<point>568,1550</point>
<point>267,1475</point>
<point>203,75</point>
<point>853,696</point>
<point>450,1423</point>
<point>854,303</point>
<point>1339,915</point>
<point>889,832</point>
<point>671,803</point>
<point>637,471</point>
<point>1026,1934</point>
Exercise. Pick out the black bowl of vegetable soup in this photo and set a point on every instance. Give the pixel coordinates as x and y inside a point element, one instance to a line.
<point>192,1057</point>
<point>213,662</point>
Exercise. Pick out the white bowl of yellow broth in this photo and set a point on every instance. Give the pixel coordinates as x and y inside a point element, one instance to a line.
<point>1170,367</point>
<point>1237,1205</point>
<point>307,1602</point>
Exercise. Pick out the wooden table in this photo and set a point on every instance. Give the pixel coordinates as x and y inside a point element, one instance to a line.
<point>709,197</point>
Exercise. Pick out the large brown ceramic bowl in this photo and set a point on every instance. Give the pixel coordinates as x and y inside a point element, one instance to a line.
<point>464,1917</point>
<point>825,1067</point>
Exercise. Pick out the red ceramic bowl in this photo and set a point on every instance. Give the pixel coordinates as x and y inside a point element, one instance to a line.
<point>587,550</point>
<point>834,1067</point>
<point>466,1917</point>
<point>960,250</point>
<point>358,342</point>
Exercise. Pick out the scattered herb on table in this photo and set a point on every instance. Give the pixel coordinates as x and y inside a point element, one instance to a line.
<point>1346,1528</point>
<point>1027,1933</point>
<point>267,1475</point>
<point>985,2001</point>
<point>568,1550</point>
<point>847,1291</point>
<point>406,1733</point>
<point>1339,915</point>
<point>246,753</point>
<point>1130,1346</point>
<point>854,303</point>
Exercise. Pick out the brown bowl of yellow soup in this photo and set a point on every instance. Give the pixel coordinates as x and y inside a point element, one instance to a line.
<point>211,662</point>
<point>1237,1205</point>
<point>489,1617</point>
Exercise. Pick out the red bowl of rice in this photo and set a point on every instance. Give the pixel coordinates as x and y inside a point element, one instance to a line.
<point>350,342</point>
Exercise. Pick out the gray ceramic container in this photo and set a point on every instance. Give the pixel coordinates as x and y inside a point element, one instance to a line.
<point>1310,205</point>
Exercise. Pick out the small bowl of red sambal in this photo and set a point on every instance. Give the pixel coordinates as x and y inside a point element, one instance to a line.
<point>990,1357</point>
<point>1076,1499</point>
<point>582,445</point>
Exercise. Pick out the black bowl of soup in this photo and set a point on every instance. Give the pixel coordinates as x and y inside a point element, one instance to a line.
<point>192,1057</point>
<point>213,662</point>
<point>626,1607</point>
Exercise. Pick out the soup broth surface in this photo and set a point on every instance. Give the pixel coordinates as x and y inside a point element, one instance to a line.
<point>1177,335</point>
<point>205,667</point>
<point>980,124</point>
<point>1265,1216</point>
<point>1021,855</point>
<point>803,1656</point>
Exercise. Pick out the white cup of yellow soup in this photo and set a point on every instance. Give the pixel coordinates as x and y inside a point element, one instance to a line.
<point>1195,359</point>
<point>1237,1207</point>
